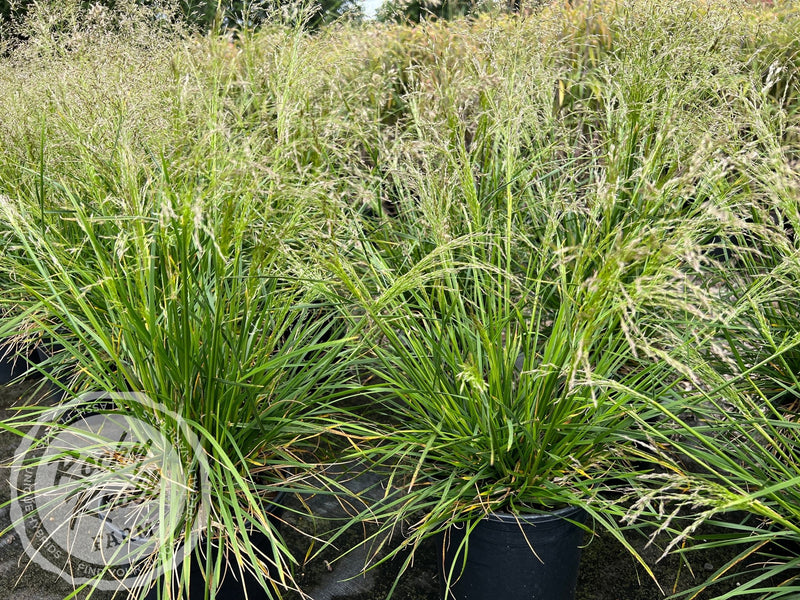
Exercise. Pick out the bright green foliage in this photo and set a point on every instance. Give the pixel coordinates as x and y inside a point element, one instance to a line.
<point>563,244</point>
<point>180,304</point>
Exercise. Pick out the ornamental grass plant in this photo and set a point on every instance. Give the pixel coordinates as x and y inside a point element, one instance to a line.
<point>167,306</point>
<point>740,436</point>
<point>553,238</point>
<point>517,347</point>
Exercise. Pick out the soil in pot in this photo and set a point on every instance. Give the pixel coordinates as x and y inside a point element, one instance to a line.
<point>514,557</point>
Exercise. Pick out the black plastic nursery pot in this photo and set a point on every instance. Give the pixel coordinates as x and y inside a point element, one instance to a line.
<point>514,557</point>
<point>41,354</point>
<point>11,366</point>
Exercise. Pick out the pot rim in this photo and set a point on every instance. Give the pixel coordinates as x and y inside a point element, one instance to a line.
<point>575,513</point>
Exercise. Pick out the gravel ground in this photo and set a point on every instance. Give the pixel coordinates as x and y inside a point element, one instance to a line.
<point>607,572</point>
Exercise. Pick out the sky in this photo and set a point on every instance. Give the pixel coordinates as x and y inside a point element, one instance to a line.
<point>370,6</point>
